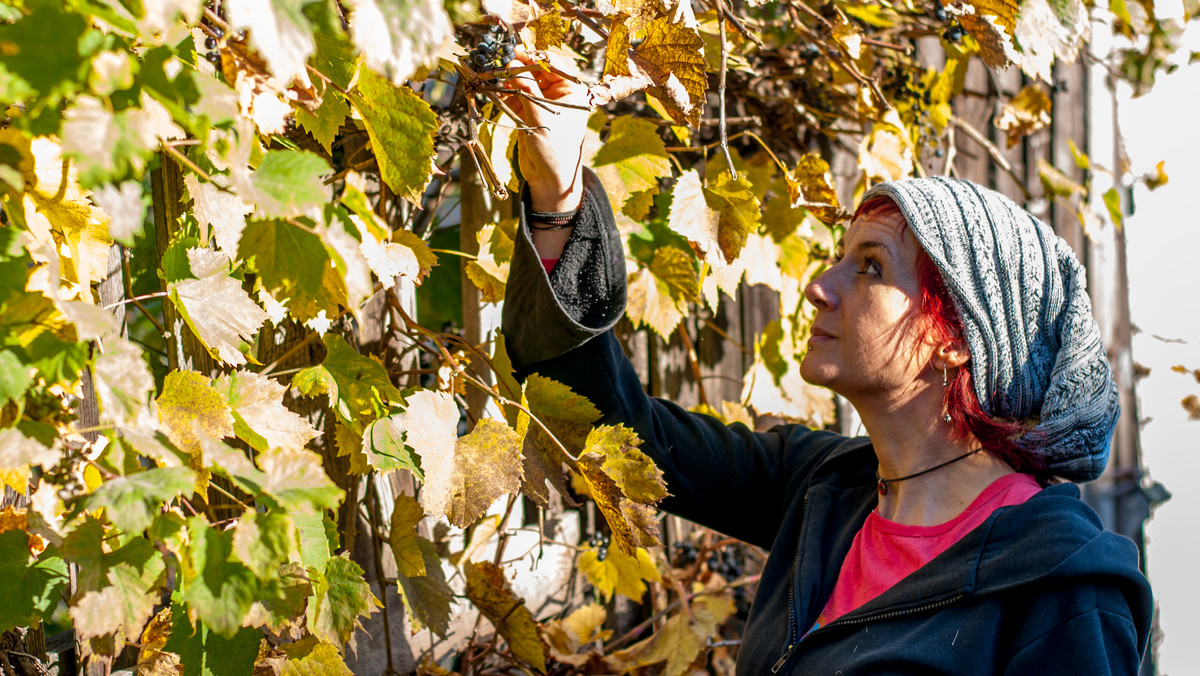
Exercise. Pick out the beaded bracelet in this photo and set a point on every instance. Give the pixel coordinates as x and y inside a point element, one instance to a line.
<point>556,220</point>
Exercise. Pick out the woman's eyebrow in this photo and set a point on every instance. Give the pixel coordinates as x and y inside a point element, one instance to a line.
<point>872,244</point>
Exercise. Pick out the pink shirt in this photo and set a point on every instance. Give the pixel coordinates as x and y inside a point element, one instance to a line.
<point>885,552</point>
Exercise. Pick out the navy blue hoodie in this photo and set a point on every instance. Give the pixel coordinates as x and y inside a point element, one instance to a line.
<point>1038,588</point>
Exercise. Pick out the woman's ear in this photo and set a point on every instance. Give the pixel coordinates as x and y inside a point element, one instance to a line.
<point>951,354</point>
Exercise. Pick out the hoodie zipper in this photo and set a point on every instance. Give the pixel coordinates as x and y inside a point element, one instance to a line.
<point>891,614</point>
<point>787,651</point>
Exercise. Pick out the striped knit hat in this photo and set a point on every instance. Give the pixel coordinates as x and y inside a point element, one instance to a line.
<point>1036,354</point>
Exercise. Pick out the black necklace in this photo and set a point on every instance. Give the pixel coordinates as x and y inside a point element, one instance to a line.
<point>883,483</point>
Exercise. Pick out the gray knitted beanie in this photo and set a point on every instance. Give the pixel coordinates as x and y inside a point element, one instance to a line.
<point>1036,354</point>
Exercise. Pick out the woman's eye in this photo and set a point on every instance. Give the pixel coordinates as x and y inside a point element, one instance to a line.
<point>870,266</point>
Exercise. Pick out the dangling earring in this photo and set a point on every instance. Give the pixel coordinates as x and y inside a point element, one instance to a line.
<point>945,384</point>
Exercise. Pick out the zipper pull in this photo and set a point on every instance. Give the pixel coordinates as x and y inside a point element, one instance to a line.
<point>783,660</point>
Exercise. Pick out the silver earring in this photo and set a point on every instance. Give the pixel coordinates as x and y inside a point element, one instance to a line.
<point>945,384</point>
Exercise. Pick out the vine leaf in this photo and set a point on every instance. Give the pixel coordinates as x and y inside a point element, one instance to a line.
<point>490,592</point>
<point>738,212</point>
<point>342,596</point>
<point>582,627</point>
<point>123,606</point>
<point>264,541</point>
<point>108,145</point>
<point>19,452</point>
<point>569,416</point>
<point>187,401</point>
<point>691,216</point>
<point>224,212</point>
<point>482,466</point>
<point>260,418</point>
<point>312,657</point>
<point>354,383</point>
<point>1024,114</point>
<point>218,589</point>
<point>680,641</point>
<point>401,127</point>
<point>287,183</point>
<point>677,52</point>
<point>56,209</point>
<point>548,30</point>
<point>216,307</point>
<point>885,154</point>
<point>403,537</point>
<point>638,158</point>
<point>32,586</point>
<point>203,651</point>
<point>625,483</point>
<point>619,573</point>
<point>398,36</point>
<point>296,480</point>
<point>809,186</point>
<point>384,449</point>
<point>122,380</point>
<point>489,271</point>
<point>659,294</point>
<point>428,597</point>
<point>131,502</point>
<point>991,23</point>
<point>296,267</point>
<point>280,32</point>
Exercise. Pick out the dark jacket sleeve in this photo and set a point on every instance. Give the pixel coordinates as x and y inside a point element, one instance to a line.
<point>1101,639</point>
<point>558,325</point>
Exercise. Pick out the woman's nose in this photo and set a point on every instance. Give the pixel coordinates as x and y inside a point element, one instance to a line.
<point>819,293</point>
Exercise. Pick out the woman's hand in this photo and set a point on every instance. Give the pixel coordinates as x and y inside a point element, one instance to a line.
<point>550,155</point>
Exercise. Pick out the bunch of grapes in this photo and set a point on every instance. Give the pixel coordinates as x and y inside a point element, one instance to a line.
<point>213,33</point>
<point>725,563</point>
<point>600,542</point>
<point>685,554</point>
<point>496,48</point>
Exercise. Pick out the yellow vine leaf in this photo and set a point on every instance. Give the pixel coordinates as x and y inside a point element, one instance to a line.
<point>57,211</point>
<point>490,592</point>
<point>583,626</point>
<point>350,445</point>
<point>691,216</point>
<point>659,294</point>
<point>637,153</point>
<point>401,127</point>
<point>152,659</point>
<point>619,573</point>
<point>992,23</point>
<point>548,30</point>
<point>885,154</point>
<point>1057,184</point>
<point>676,52</point>
<point>311,656</point>
<point>737,209</point>
<point>403,537</point>
<point>489,271</point>
<point>483,466</point>
<point>1024,114</point>
<point>809,186</point>
<point>188,400</point>
<point>616,55</point>
<point>568,416</point>
<point>676,644</point>
<point>625,485</point>
<point>680,641</point>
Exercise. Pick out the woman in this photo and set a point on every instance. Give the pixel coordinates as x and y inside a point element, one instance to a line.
<point>940,543</point>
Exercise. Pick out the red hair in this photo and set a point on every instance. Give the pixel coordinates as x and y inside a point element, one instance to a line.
<point>967,417</point>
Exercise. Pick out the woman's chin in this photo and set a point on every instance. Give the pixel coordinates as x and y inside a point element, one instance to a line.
<point>815,372</point>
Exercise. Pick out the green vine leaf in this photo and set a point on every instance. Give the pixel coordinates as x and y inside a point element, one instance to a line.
<point>296,267</point>
<point>401,127</point>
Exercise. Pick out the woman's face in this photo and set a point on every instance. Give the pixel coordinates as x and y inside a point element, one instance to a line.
<point>868,334</point>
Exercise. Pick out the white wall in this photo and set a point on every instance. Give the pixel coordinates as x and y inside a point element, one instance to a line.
<point>1163,239</point>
